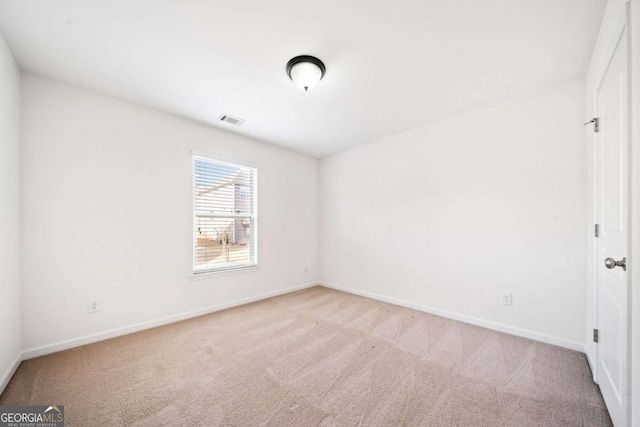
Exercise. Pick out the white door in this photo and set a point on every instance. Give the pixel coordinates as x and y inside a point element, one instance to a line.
<point>612,194</point>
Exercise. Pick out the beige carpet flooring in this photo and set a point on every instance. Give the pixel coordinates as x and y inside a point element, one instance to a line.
<point>314,357</point>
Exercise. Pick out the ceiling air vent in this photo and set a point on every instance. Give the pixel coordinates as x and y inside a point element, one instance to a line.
<point>231,120</point>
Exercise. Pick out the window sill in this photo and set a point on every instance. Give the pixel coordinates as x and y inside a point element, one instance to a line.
<point>225,272</point>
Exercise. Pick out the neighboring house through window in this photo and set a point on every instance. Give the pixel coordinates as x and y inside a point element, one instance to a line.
<point>224,207</point>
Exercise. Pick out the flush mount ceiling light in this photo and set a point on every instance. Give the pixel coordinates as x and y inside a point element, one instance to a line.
<point>305,71</point>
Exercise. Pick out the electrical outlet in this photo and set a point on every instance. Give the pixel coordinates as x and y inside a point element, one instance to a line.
<point>306,269</point>
<point>506,299</point>
<point>93,305</point>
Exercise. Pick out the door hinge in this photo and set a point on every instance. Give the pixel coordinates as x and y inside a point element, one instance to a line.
<point>595,335</point>
<point>596,124</point>
<point>597,230</point>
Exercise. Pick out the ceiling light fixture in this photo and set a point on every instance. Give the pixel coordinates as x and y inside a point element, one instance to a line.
<point>305,71</point>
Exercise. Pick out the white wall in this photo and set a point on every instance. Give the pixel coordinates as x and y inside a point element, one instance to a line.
<point>106,209</point>
<point>450,214</point>
<point>9,213</point>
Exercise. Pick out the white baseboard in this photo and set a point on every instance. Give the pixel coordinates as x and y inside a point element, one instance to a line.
<point>591,366</point>
<point>88,339</point>
<point>6,377</point>
<point>464,318</point>
<point>101,336</point>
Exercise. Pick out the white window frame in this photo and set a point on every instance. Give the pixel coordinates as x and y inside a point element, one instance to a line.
<point>253,266</point>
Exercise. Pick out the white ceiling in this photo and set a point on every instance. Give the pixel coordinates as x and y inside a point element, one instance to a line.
<point>391,65</point>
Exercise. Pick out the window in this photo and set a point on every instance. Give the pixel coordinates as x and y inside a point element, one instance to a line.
<point>224,208</point>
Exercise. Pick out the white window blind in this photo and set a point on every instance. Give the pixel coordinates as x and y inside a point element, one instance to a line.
<point>224,206</point>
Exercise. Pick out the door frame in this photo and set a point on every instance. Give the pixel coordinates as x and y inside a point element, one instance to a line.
<point>633,16</point>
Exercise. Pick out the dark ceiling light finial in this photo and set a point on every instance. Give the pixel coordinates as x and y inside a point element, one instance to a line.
<point>305,71</point>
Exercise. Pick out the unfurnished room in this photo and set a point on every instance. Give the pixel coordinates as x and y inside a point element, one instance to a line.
<point>337,213</point>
